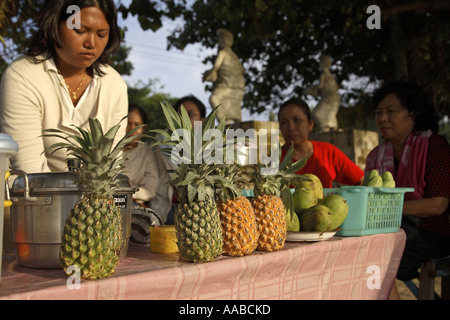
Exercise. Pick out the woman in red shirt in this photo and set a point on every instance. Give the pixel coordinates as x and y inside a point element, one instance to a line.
<point>325,160</point>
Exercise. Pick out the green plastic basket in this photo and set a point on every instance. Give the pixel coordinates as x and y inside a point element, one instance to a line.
<point>372,210</point>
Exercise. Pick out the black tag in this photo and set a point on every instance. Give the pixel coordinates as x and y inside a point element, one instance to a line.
<point>121,201</point>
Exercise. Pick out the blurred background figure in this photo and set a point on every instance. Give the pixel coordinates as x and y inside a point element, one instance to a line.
<point>147,169</point>
<point>194,108</point>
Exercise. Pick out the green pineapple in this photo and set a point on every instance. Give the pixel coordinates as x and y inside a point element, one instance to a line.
<point>197,221</point>
<point>92,235</point>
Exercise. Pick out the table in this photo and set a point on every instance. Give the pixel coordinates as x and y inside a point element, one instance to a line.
<point>338,268</point>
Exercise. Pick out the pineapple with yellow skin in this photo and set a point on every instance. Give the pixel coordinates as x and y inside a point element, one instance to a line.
<point>239,228</point>
<point>92,235</point>
<point>272,198</point>
<point>271,220</point>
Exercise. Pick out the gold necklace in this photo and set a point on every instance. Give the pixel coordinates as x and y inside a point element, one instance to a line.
<point>74,93</point>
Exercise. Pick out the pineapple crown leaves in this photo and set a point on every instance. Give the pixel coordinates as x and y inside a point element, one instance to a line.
<point>101,162</point>
<point>228,178</point>
<point>180,121</point>
<point>284,178</point>
<point>194,182</point>
<point>288,201</point>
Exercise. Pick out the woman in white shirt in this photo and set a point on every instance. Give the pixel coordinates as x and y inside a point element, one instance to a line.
<point>62,81</point>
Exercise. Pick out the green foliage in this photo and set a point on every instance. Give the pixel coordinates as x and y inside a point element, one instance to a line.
<point>16,24</point>
<point>149,97</point>
<point>279,42</point>
<point>120,62</point>
<point>147,12</point>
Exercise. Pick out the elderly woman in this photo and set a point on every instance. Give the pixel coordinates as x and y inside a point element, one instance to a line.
<point>419,158</point>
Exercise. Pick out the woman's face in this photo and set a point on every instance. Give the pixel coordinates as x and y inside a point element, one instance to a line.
<point>192,111</point>
<point>294,124</point>
<point>82,47</point>
<point>134,120</point>
<point>393,120</point>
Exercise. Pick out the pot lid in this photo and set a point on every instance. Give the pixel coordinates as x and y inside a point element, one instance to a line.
<point>57,181</point>
<point>7,144</point>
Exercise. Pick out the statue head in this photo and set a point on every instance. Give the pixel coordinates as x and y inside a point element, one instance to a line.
<point>325,61</point>
<point>226,38</point>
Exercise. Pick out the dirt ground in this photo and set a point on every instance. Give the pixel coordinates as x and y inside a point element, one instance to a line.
<point>406,294</point>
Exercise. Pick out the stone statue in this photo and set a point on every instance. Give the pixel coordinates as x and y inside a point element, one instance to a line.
<point>227,75</point>
<point>325,113</point>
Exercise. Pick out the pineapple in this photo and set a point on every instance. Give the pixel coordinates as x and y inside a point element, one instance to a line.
<point>239,228</point>
<point>92,235</point>
<point>197,222</point>
<point>271,193</point>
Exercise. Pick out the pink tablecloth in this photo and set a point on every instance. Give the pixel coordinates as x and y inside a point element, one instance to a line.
<point>339,268</point>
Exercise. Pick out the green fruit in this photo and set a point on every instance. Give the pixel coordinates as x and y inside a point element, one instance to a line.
<point>293,222</point>
<point>313,183</point>
<point>303,198</point>
<point>372,174</point>
<point>316,218</point>
<point>389,184</point>
<point>376,181</point>
<point>388,180</point>
<point>317,185</point>
<point>339,209</point>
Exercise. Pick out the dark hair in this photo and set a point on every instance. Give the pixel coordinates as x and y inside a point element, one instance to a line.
<point>55,11</point>
<point>413,98</point>
<point>200,106</point>
<point>134,107</point>
<point>298,102</point>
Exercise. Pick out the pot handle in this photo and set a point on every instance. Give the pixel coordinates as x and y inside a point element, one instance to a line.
<point>7,201</point>
<point>26,195</point>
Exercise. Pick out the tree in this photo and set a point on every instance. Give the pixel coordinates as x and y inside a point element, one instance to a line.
<point>279,42</point>
<point>16,23</point>
<point>149,97</point>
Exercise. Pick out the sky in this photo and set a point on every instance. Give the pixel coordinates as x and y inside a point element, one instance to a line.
<point>179,72</point>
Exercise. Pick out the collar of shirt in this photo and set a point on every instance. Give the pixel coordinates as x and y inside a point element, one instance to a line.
<point>50,67</point>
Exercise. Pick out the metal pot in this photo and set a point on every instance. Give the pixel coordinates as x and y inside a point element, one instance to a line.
<point>41,206</point>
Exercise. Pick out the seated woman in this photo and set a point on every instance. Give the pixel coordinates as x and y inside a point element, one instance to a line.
<point>146,169</point>
<point>325,161</point>
<point>418,157</point>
